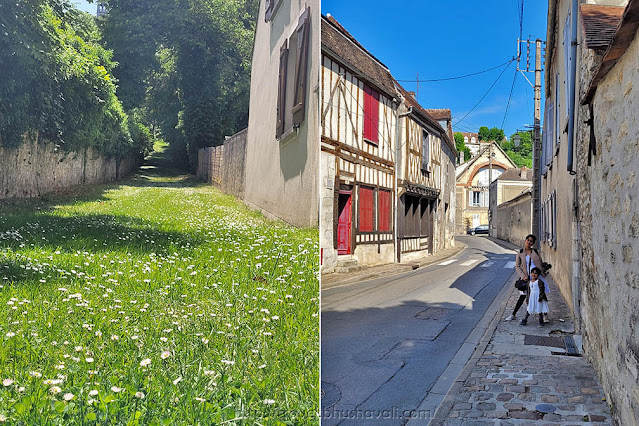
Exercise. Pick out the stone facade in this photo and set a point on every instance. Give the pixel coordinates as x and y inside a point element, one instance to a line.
<point>512,220</point>
<point>609,216</point>
<point>223,166</point>
<point>38,167</point>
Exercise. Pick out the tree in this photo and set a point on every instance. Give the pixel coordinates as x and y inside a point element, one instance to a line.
<point>198,50</point>
<point>496,134</point>
<point>484,133</point>
<point>461,146</point>
<point>520,155</point>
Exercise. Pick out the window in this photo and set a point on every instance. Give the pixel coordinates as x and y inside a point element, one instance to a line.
<point>384,208</point>
<point>557,116</point>
<point>547,149</point>
<point>548,221</point>
<point>371,115</point>
<point>291,94</point>
<point>465,139</point>
<point>476,197</point>
<point>425,152</point>
<point>366,209</point>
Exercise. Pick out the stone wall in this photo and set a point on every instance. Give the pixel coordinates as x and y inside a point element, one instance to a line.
<point>37,168</point>
<point>223,166</point>
<point>512,220</point>
<point>609,215</point>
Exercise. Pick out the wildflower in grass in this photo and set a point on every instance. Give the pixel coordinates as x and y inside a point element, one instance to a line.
<point>227,362</point>
<point>165,354</point>
<point>205,340</point>
<point>93,392</point>
<point>197,398</point>
<point>55,390</point>
<point>209,372</point>
<point>35,374</point>
<point>164,339</point>
<point>89,359</point>
<point>145,362</point>
<point>178,380</point>
<point>7,382</point>
<point>3,418</point>
<point>269,401</point>
<point>98,333</point>
<point>78,348</point>
<point>68,396</point>
<point>262,366</point>
<point>116,389</point>
<point>115,337</point>
<point>139,395</point>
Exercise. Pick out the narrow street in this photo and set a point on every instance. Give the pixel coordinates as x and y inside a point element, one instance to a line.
<point>389,343</point>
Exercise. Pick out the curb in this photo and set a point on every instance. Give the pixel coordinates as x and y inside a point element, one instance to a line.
<point>496,309</point>
<point>390,269</point>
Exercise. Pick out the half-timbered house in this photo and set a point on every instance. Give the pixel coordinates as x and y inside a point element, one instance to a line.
<point>359,102</point>
<point>426,180</point>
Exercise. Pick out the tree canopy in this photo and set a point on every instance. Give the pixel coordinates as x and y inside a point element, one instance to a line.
<point>186,64</point>
<point>520,155</point>
<point>57,80</point>
<point>494,134</point>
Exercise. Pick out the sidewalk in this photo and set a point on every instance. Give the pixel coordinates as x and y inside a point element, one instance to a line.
<point>521,374</point>
<point>369,273</point>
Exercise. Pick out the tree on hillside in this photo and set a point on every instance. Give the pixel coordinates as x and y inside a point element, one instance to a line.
<point>484,133</point>
<point>461,146</point>
<point>496,134</point>
<point>520,155</point>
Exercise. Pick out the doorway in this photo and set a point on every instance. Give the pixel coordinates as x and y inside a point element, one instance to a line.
<point>344,224</point>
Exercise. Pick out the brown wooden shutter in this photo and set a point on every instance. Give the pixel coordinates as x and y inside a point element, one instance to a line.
<point>303,31</point>
<point>270,5</point>
<point>281,91</point>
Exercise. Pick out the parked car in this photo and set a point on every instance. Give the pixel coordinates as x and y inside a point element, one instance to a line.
<point>481,229</point>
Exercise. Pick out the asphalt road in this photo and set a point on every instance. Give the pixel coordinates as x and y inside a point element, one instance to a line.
<point>386,342</point>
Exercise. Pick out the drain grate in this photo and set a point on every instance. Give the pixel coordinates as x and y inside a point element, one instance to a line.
<point>571,347</point>
<point>555,342</point>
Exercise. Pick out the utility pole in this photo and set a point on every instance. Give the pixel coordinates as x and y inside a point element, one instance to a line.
<point>537,143</point>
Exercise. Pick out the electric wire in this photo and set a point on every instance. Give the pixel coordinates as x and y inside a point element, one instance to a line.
<point>487,92</point>
<point>458,77</point>
<point>510,97</point>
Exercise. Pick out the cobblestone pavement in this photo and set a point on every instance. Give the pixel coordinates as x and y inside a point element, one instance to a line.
<point>513,383</point>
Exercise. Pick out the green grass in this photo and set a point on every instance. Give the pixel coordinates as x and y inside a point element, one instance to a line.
<point>156,301</point>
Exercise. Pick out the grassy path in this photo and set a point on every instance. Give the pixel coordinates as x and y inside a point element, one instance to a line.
<point>156,300</point>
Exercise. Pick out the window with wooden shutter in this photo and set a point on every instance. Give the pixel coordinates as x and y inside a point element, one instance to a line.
<point>371,115</point>
<point>425,152</point>
<point>281,90</point>
<point>299,98</point>
<point>270,5</point>
<point>567,58</point>
<point>366,209</point>
<point>384,209</point>
<point>550,139</point>
<point>557,116</point>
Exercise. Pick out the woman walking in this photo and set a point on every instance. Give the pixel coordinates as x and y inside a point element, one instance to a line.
<point>527,259</point>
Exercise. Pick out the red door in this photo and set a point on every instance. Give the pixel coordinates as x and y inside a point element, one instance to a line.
<point>344,209</point>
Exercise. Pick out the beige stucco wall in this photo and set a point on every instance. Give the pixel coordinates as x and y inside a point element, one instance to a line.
<point>282,175</point>
<point>558,179</point>
<point>609,212</point>
<point>512,221</point>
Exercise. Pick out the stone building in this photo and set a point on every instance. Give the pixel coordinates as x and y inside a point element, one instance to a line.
<point>472,188</point>
<point>589,220</point>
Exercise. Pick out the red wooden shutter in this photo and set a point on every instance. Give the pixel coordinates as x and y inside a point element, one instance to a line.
<point>371,115</point>
<point>366,209</point>
<point>301,67</point>
<point>281,90</point>
<point>384,210</point>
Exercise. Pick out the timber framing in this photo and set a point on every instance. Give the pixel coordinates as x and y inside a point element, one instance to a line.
<point>356,155</point>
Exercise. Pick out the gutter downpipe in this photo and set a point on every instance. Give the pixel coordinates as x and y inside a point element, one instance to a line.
<point>395,184</point>
<point>573,83</point>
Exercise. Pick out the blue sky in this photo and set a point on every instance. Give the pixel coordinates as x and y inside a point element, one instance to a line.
<point>438,39</point>
<point>86,6</point>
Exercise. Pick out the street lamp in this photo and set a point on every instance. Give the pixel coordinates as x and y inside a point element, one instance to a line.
<point>517,139</point>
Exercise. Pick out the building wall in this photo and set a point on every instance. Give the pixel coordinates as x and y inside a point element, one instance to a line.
<point>609,212</point>
<point>281,175</point>
<point>557,180</point>
<point>512,221</point>
<point>37,167</point>
<point>223,166</point>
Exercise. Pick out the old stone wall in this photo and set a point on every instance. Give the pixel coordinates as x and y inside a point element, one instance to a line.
<point>223,166</point>
<point>512,220</point>
<point>234,159</point>
<point>609,212</point>
<point>37,168</point>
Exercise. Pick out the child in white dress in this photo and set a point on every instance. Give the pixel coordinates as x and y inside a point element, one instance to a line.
<point>537,299</point>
